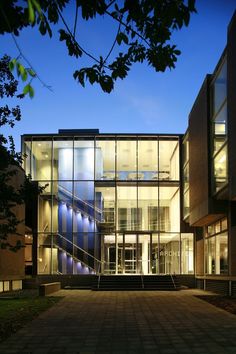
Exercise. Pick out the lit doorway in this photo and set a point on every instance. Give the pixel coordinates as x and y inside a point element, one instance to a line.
<point>127,254</point>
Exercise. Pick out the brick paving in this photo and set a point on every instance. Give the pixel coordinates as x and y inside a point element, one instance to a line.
<point>86,322</point>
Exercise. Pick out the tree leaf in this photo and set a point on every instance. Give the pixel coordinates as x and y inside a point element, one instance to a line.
<point>12,64</point>
<point>20,69</point>
<point>31,72</point>
<point>42,28</point>
<point>37,6</point>
<point>31,12</point>
<point>121,37</point>
<point>24,75</point>
<point>26,89</point>
<point>31,91</point>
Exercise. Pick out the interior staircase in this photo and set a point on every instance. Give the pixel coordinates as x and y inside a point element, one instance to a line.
<point>136,282</point>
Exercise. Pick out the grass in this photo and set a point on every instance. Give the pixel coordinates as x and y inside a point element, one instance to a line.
<point>224,302</point>
<point>16,312</point>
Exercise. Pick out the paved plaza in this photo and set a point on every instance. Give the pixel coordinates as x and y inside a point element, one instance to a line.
<point>127,322</point>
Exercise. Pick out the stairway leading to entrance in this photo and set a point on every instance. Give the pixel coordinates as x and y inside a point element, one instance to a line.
<point>137,282</point>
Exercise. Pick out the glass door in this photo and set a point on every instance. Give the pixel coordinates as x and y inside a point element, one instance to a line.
<point>130,254</point>
<point>127,254</point>
<point>144,253</point>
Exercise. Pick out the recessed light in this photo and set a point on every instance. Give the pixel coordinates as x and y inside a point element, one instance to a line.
<point>39,144</point>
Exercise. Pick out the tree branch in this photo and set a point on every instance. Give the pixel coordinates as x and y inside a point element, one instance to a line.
<point>76,17</point>
<point>21,54</point>
<point>128,27</point>
<point>74,39</point>
<point>113,45</point>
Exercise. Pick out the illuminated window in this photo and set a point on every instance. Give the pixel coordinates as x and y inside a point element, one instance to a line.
<point>216,248</point>
<point>105,160</point>
<point>168,160</point>
<point>62,159</point>
<point>126,160</point>
<point>219,128</point>
<point>41,160</point>
<point>147,160</point>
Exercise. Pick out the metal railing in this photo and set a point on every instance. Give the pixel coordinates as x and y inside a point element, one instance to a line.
<point>83,202</point>
<point>173,280</point>
<point>96,260</point>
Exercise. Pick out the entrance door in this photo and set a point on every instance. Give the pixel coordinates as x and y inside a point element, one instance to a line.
<point>144,253</point>
<point>133,254</point>
<point>127,254</point>
<point>130,254</point>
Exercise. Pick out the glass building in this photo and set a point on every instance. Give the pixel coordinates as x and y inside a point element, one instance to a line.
<point>142,203</point>
<point>111,203</point>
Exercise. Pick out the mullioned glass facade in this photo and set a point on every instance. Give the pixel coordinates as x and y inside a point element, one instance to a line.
<point>111,204</point>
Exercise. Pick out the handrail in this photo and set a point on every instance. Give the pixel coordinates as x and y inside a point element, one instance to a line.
<point>45,227</point>
<point>85,252</point>
<point>79,248</point>
<point>82,211</point>
<point>99,281</point>
<point>81,200</point>
<point>142,280</point>
<point>173,280</point>
<point>79,260</point>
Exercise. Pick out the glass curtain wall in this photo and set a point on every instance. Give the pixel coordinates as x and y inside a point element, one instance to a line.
<point>111,204</point>
<point>216,248</point>
<point>186,176</point>
<point>219,128</point>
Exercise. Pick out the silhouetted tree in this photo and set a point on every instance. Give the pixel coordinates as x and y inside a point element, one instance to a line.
<point>144,29</point>
<point>10,161</point>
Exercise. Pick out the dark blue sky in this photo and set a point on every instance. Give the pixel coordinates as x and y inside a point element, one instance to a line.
<point>145,102</point>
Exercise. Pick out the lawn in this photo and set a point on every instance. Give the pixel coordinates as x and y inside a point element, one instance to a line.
<point>16,312</point>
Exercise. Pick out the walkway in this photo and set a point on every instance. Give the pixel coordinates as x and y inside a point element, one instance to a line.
<point>127,322</point>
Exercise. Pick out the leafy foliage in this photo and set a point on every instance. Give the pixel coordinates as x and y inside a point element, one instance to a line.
<point>23,73</point>
<point>10,161</point>
<point>144,32</point>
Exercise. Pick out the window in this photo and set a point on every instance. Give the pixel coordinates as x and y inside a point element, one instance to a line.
<point>186,176</point>
<point>220,88</point>
<point>126,160</point>
<point>105,160</point>
<point>168,160</point>
<point>216,248</point>
<point>41,159</point>
<point>219,128</point>
<point>147,160</point>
